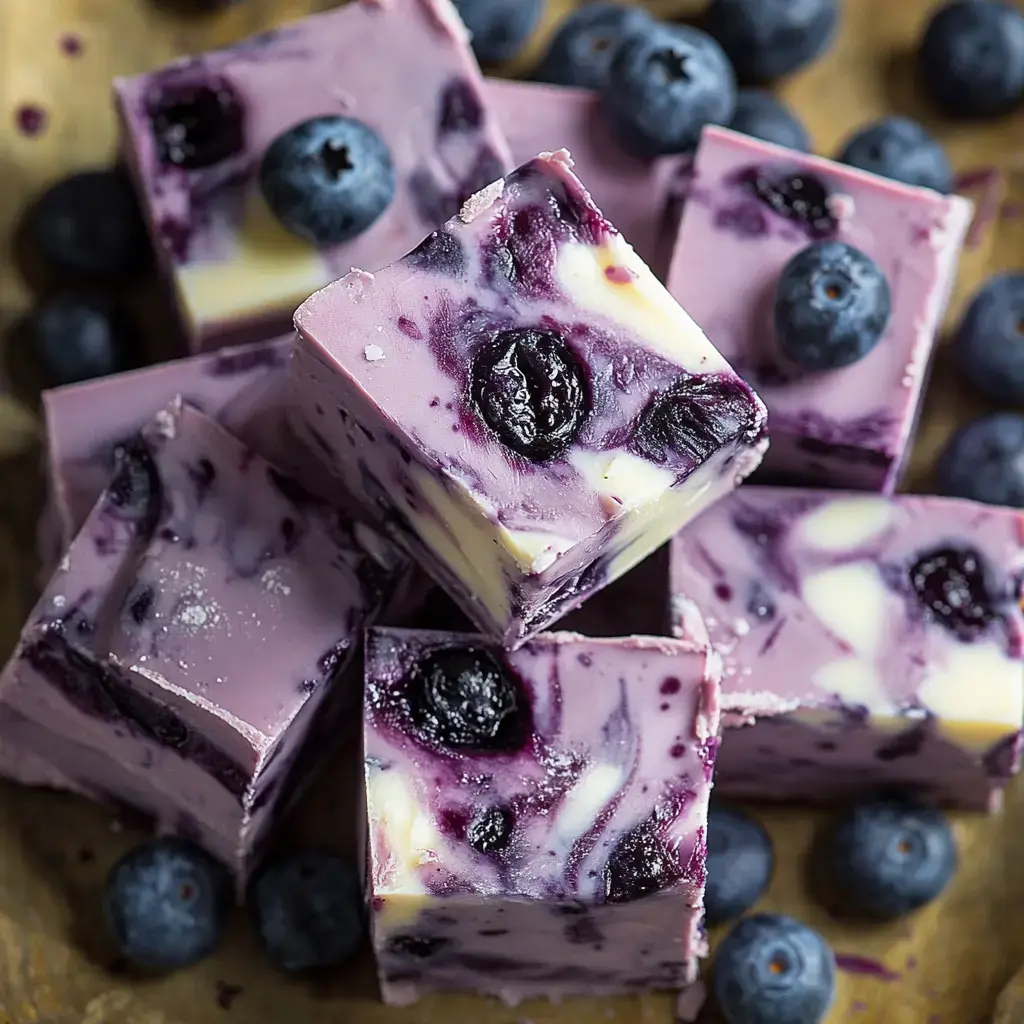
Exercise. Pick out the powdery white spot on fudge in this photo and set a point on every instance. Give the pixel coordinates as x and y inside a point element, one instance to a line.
<point>538,427</point>
<point>750,208</point>
<point>536,818</point>
<point>867,642</point>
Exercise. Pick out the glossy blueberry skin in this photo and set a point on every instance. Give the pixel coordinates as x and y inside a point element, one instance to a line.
<point>78,338</point>
<point>832,306</point>
<point>890,857</point>
<point>165,903</point>
<point>740,861</point>
<point>900,149</point>
<point>760,115</point>
<point>766,39</point>
<point>984,461</point>
<point>583,47</point>
<point>328,179</point>
<point>989,341</point>
<point>499,29</point>
<point>665,84</point>
<point>971,58</point>
<point>771,969</point>
<point>309,911</point>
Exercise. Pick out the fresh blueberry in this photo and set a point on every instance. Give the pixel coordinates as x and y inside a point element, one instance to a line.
<point>771,969</point>
<point>309,911</point>
<point>951,585</point>
<point>640,864</point>
<point>971,58</point>
<point>531,391</point>
<point>798,197</point>
<point>328,179</point>
<point>889,857</point>
<point>760,115</point>
<point>166,902</point>
<point>90,224</point>
<point>766,39</point>
<point>989,342</point>
<point>739,863</point>
<point>79,338</point>
<point>491,830</point>
<point>901,149</point>
<point>499,28</point>
<point>196,123</point>
<point>832,306</point>
<point>984,461</point>
<point>666,82</point>
<point>584,45</point>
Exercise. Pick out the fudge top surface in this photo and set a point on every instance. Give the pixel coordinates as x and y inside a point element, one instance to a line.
<point>905,606</point>
<point>585,746</point>
<point>530,357</point>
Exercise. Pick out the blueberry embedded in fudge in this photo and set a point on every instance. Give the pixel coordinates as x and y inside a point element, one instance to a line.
<point>536,819</point>
<point>868,642</point>
<point>190,655</point>
<point>243,247</point>
<point>529,418</point>
<point>751,209</point>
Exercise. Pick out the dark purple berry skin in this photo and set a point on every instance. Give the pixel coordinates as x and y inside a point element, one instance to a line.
<point>491,830</point>
<point>901,149</point>
<point>499,28</point>
<point>440,253</point>
<point>196,122</point>
<point>951,585</point>
<point>984,461</point>
<point>740,862</point>
<point>639,866</point>
<point>799,198</point>
<point>989,341</point>
<point>761,116</point>
<point>80,337</point>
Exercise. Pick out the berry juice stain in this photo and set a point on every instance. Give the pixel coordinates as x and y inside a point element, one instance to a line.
<point>30,119</point>
<point>71,45</point>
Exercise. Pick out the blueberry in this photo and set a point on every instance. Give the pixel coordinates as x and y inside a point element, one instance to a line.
<point>971,58</point>
<point>491,830</point>
<point>739,863</point>
<point>832,306</point>
<point>462,699</point>
<point>531,391</point>
<point>166,902</point>
<point>196,123</point>
<point>888,857</point>
<point>666,82</point>
<point>984,461</point>
<point>760,115</point>
<point>639,865</point>
<point>766,39</point>
<point>499,28</point>
<point>989,342</point>
<point>328,179</point>
<point>583,47</point>
<point>800,198</point>
<point>134,493</point>
<point>78,338</point>
<point>951,585</point>
<point>771,969</point>
<point>309,911</point>
<point>439,253</point>
<point>901,149</point>
<point>416,947</point>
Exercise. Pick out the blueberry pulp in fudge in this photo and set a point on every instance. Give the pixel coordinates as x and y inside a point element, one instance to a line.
<point>867,642</point>
<point>189,658</point>
<point>523,404</point>
<point>751,207</point>
<point>197,131</point>
<point>537,818</point>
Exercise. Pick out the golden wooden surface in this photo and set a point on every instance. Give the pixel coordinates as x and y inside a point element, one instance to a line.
<point>945,965</point>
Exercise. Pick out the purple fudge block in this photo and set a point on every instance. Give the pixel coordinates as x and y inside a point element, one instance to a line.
<point>522,403</point>
<point>867,642</point>
<point>537,819</point>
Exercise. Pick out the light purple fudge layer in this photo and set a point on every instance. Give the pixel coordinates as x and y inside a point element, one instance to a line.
<point>537,819</point>
<point>188,657</point>
<point>529,312</point>
<point>237,272</point>
<point>867,642</point>
<point>849,428</point>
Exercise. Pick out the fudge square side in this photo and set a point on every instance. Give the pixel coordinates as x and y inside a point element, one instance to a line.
<point>522,404</point>
<point>195,134</point>
<point>191,657</point>
<point>868,642</point>
<point>750,208</point>
<point>537,819</point>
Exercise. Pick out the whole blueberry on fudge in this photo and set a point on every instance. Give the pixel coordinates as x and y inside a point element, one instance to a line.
<point>825,287</point>
<point>522,404</point>
<point>537,819</point>
<point>271,167</point>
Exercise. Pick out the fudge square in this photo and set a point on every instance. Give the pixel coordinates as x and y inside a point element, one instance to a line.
<point>537,819</point>
<point>868,642</point>
<point>751,208</point>
<point>196,132</point>
<point>190,656</point>
<point>524,405</point>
